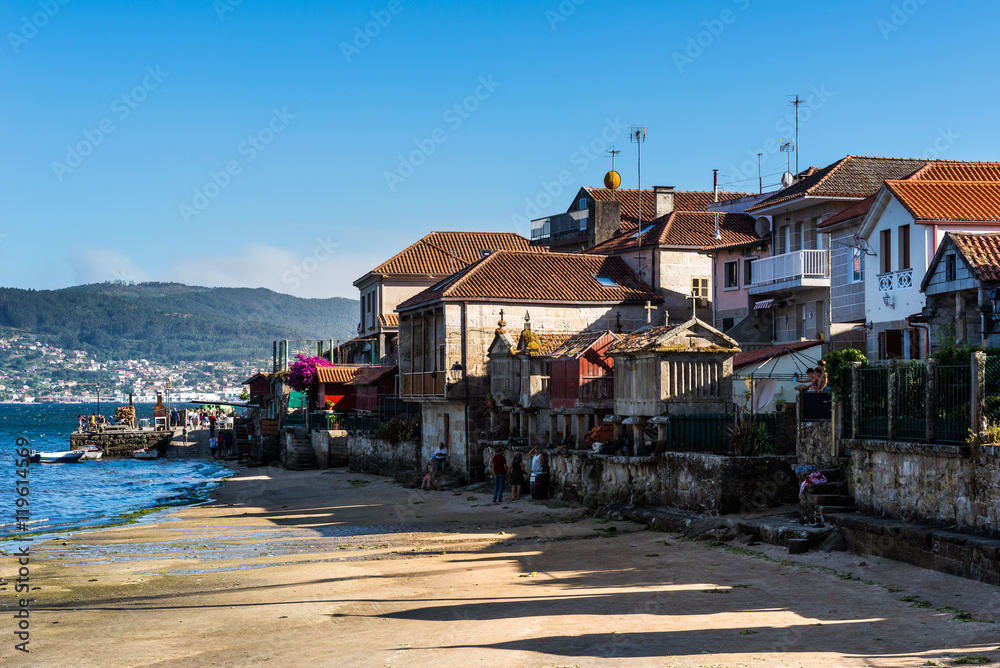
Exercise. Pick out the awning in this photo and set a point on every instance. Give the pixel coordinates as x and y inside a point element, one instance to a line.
<point>763,304</point>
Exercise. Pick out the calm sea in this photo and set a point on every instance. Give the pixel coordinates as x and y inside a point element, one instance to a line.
<point>92,493</point>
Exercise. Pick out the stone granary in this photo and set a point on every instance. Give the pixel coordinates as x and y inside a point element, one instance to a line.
<point>663,371</point>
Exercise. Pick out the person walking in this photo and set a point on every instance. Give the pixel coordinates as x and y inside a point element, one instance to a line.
<point>517,474</point>
<point>499,474</point>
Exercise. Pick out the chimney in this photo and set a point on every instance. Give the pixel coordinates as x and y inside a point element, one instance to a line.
<point>608,219</point>
<point>664,199</point>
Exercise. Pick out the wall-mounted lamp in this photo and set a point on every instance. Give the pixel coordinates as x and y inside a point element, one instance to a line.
<point>457,371</point>
<point>887,299</point>
<point>810,315</point>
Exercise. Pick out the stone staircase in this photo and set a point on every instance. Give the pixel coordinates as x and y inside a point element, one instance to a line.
<point>299,455</point>
<point>828,498</point>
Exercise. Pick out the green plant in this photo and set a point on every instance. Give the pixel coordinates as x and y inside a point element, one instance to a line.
<point>949,353</point>
<point>748,438</point>
<point>838,370</point>
<point>779,405</point>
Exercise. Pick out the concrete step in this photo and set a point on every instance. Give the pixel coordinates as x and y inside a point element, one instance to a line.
<point>832,475</point>
<point>826,500</point>
<point>835,510</point>
<point>828,488</point>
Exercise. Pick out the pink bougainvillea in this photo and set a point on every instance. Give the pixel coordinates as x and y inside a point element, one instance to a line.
<point>302,373</point>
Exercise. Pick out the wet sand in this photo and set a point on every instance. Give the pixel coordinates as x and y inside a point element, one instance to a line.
<point>331,568</point>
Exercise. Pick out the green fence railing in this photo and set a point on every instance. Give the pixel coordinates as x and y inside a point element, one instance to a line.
<point>708,432</point>
<point>872,407</point>
<point>910,405</point>
<point>954,399</point>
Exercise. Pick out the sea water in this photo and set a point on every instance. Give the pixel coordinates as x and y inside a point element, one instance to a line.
<point>91,493</point>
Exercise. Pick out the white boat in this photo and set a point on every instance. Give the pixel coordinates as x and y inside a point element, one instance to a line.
<point>91,452</point>
<point>67,457</point>
<point>145,453</point>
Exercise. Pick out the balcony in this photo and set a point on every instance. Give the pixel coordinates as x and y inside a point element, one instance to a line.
<point>895,280</point>
<point>798,270</point>
<point>421,384</point>
<point>560,226</point>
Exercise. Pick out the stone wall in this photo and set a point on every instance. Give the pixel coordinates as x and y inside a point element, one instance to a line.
<point>697,481</point>
<point>380,457</point>
<point>814,444</point>
<point>123,444</point>
<point>945,485</point>
<point>330,447</point>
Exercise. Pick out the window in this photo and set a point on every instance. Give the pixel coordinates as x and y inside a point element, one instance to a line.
<point>606,282</point>
<point>485,252</point>
<point>857,265</point>
<point>582,204</point>
<point>797,238</point>
<point>748,271</point>
<point>949,267</point>
<point>699,287</point>
<point>904,247</point>
<point>727,324</point>
<point>885,250</point>
<point>732,274</point>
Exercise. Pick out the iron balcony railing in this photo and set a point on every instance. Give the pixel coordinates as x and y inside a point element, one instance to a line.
<point>895,280</point>
<point>560,225</point>
<point>789,266</point>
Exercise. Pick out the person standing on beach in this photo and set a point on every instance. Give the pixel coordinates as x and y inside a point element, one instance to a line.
<point>213,444</point>
<point>499,474</point>
<point>212,421</point>
<point>184,434</point>
<point>517,474</point>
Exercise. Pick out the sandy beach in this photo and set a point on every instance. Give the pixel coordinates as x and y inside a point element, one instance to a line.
<point>333,568</point>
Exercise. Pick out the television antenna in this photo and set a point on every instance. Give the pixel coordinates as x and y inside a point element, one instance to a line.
<point>796,102</point>
<point>789,148</point>
<point>637,135</point>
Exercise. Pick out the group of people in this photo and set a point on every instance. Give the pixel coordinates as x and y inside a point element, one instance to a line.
<point>221,445</point>
<point>516,471</point>
<point>816,377</point>
<point>93,422</point>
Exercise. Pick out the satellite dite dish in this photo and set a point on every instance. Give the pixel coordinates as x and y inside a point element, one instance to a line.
<point>612,180</point>
<point>787,179</point>
<point>763,226</point>
<point>765,392</point>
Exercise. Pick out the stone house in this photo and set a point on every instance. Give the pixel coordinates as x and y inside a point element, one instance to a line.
<point>668,249</point>
<point>417,267</point>
<point>903,229</point>
<point>661,371</point>
<point>795,280</point>
<point>961,287</point>
<point>446,332</point>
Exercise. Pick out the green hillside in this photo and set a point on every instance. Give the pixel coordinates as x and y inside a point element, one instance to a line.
<point>170,322</point>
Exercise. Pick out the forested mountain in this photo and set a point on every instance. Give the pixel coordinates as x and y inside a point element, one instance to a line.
<point>170,322</point>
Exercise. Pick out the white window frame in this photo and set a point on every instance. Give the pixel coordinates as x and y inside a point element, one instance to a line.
<point>725,275</point>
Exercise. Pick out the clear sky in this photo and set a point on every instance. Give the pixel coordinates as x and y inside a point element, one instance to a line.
<point>294,145</point>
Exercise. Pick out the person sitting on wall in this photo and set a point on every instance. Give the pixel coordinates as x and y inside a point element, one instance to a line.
<point>810,379</point>
<point>440,457</point>
<point>819,378</point>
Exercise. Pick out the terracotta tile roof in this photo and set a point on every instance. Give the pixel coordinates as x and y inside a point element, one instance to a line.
<point>539,278</point>
<point>665,338</point>
<point>341,373</point>
<point>578,344</point>
<point>444,253</point>
<point>684,200</point>
<point>957,201</point>
<point>852,176</point>
<point>958,170</point>
<point>686,228</point>
<point>857,210</point>
<point>388,320</point>
<point>371,374</point>
<point>981,251</point>
<point>751,356</point>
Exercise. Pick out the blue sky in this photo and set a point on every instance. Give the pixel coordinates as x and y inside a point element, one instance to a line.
<point>294,145</point>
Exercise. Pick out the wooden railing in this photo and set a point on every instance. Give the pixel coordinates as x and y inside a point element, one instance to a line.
<point>422,384</point>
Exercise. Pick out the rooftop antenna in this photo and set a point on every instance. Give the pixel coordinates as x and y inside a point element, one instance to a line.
<point>612,179</point>
<point>796,102</point>
<point>760,179</point>
<point>637,135</point>
<point>715,191</point>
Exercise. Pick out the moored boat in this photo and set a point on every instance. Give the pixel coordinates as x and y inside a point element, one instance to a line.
<point>68,457</point>
<point>145,453</point>
<point>91,452</point>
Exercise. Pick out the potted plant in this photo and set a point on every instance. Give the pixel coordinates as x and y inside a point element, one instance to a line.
<point>489,400</point>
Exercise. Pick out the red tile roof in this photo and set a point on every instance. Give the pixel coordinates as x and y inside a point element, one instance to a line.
<point>751,356</point>
<point>508,276</point>
<point>955,170</point>
<point>952,201</point>
<point>857,210</point>
<point>388,320</point>
<point>371,374</point>
<point>852,177</point>
<point>981,251</point>
<point>444,253</point>
<point>684,200</point>
<point>686,228</point>
<point>341,373</point>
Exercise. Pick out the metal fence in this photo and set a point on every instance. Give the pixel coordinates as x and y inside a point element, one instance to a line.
<point>909,403</point>
<point>991,389</point>
<point>872,407</point>
<point>708,432</point>
<point>389,409</point>
<point>953,393</point>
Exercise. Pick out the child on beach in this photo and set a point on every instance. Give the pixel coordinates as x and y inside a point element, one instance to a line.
<point>429,477</point>
<point>213,443</point>
<point>184,434</point>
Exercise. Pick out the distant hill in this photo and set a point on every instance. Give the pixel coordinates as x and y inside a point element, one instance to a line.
<point>171,322</point>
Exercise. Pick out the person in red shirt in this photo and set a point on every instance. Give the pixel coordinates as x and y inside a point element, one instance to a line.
<point>499,475</point>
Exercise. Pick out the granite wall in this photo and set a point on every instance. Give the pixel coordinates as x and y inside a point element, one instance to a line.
<point>122,444</point>
<point>377,456</point>
<point>937,484</point>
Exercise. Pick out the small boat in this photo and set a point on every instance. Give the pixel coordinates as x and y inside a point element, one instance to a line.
<point>68,457</point>
<point>145,453</point>
<point>91,452</point>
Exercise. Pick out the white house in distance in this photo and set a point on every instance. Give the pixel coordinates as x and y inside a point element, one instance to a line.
<point>903,228</point>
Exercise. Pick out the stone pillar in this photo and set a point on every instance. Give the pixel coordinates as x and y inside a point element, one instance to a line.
<point>553,429</point>
<point>637,444</point>
<point>494,419</point>
<point>581,431</point>
<point>978,408</point>
<point>930,401</point>
<point>522,429</point>
<point>532,420</point>
<point>661,432</point>
<point>619,430</point>
<point>514,425</point>
<point>891,403</point>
